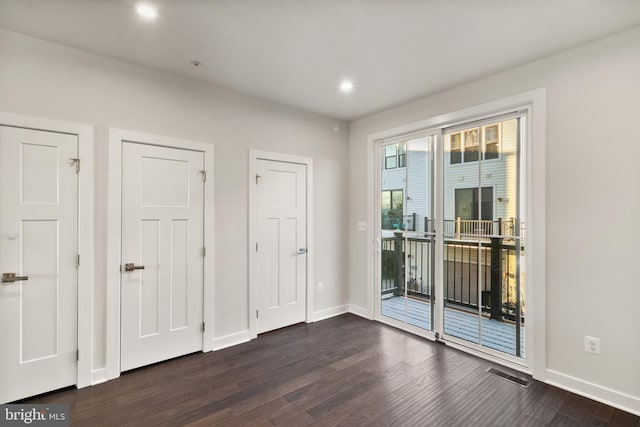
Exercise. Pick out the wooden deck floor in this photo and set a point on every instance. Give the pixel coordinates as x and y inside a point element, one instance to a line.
<point>497,335</point>
<point>342,371</point>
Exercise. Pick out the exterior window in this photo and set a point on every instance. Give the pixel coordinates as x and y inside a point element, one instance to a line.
<point>391,157</point>
<point>491,142</point>
<point>392,209</point>
<point>471,145</point>
<point>455,155</point>
<point>395,156</point>
<point>466,204</point>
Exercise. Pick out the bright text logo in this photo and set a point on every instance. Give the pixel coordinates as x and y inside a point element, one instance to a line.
<point>36,415</point>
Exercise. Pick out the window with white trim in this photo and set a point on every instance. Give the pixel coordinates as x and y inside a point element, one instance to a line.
<point>395,156</point>
<point>471,145</point>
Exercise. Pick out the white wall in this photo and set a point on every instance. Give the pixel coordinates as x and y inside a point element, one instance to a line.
<point>592,199</point>
<point>47,80</point>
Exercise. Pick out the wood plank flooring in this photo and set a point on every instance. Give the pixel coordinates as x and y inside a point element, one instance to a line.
<point>344,371</point>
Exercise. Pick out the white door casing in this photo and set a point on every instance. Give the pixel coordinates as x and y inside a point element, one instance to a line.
<point>162,235</point>
<point>281,244</point>
<point>117,139</point>
<point>39,241</point>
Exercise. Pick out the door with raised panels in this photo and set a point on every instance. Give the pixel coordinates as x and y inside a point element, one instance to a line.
<point>162,253</point>
<point>281,255</point>
<point>38,254</point>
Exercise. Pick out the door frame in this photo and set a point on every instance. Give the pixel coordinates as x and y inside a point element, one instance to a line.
<point>534,103</point>
<point>114,241</point>
<point>254,156</point>
<point>85,279</point>
<point>377,226</point>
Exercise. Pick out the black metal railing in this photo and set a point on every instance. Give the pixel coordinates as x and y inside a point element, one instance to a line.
<point>477,273</point>
<point>418,251</point>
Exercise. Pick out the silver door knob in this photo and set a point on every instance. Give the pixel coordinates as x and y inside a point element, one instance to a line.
<point>131,266</point>
<point>302,251</point>
<point>11,278</point>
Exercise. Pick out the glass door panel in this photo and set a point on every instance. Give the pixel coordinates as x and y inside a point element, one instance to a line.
<point>484,235</point>
<point>462,256</point>
<point>406,230</point>
<point>419,241</point>
<point>392,254</point>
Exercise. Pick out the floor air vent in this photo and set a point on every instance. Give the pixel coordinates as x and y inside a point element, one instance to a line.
<point>509,377</point>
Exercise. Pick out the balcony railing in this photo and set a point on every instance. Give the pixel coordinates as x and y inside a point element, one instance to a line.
<point>463,228</point>
<point>471,228</point>
<point>491,287</point>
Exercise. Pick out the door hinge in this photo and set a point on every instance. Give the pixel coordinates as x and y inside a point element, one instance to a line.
<point>204,175</point>
<point>257,178</point>
<point>76,162</point>
<point>256,246</point>
<point>257,314</point>
<point>77,260</point>
<point>204,251</point>
<point>203,327</point>
<point>77,355</point>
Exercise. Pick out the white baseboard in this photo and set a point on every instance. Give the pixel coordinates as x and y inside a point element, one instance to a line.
<point>98,376</point>
<point>330,312</point>
<point>593,391</point>
<point>231,340</point>
<point>359,311</point>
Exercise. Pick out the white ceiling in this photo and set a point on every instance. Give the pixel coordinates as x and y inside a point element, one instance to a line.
<point>297,51</point>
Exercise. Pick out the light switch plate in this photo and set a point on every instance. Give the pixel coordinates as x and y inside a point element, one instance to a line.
<point>362,226</point>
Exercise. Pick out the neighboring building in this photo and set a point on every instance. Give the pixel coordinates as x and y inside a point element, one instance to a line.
<point>479,180</point>
<point>405,205</point>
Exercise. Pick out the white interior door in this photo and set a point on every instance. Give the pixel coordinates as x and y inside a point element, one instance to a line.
<point>162,240</point>
<point>281,252</point>
<point>38,243</point>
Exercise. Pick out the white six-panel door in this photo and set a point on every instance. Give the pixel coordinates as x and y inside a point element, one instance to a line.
<point>281,237</point>
<point>38,242</point>
<point>162,237</point>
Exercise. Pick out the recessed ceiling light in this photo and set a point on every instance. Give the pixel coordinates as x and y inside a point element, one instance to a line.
<point>346,86</point>
<point>146,11</point>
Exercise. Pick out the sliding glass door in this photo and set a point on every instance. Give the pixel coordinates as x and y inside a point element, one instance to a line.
<point>483,235</point>
<point>472,174</point>
<point>406,231</point>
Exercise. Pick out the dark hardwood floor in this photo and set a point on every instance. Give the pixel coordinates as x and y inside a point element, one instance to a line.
<point>341,371</point>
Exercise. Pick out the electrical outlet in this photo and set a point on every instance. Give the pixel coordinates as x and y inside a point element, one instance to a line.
<point>591,344</point>
<point>362,226</point>
<point>320,287</point>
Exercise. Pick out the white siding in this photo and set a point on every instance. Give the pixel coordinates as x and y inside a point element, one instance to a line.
<point>414,180</point>
<point>419,185</point>
<point>496,173</point>
<point>394,179</point>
